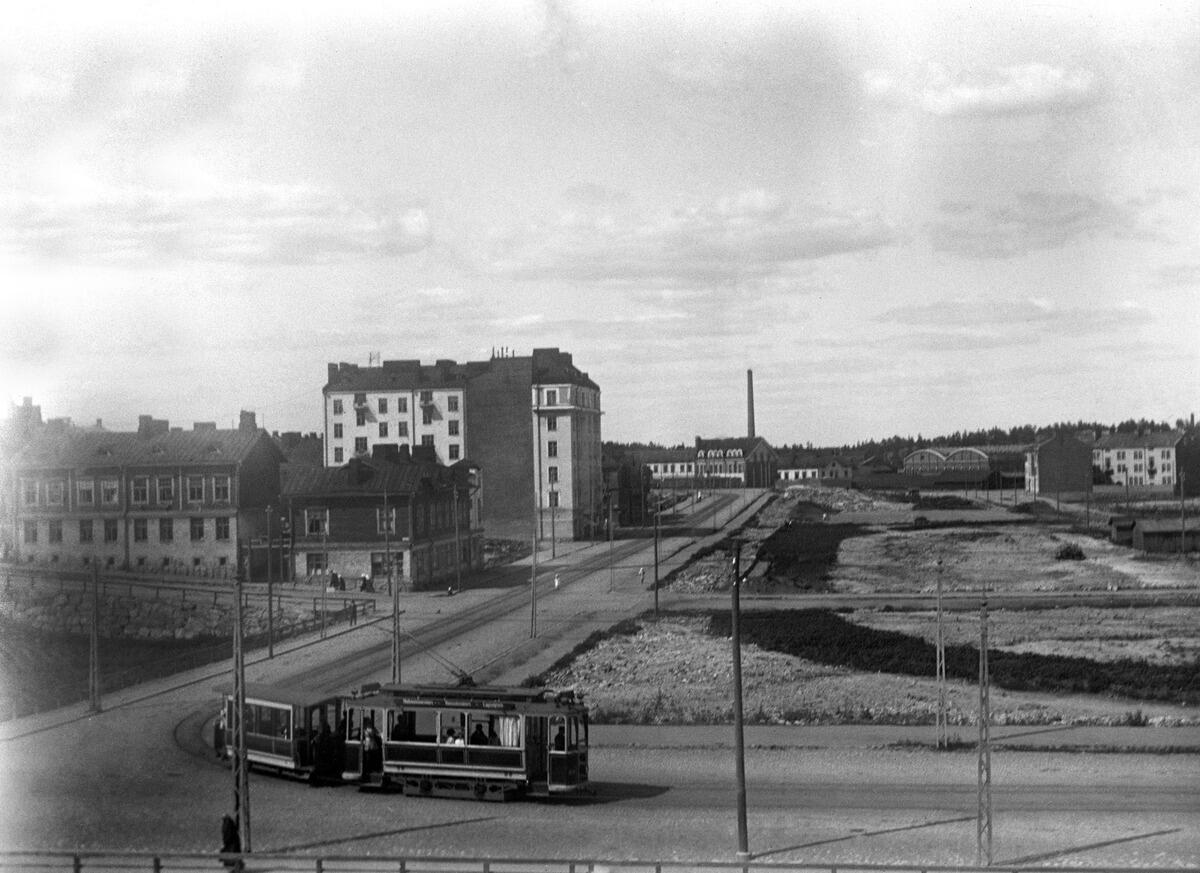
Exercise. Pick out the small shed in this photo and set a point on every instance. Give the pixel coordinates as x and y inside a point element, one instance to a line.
<point>1163,536</point>
<point>1120,529</point>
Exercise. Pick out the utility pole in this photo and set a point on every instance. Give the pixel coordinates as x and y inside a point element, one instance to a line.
<point>1182,517</point>
<point>241,780</point>
<point>942,738</point>
<point>610,545</point>
<point>457,544</point>
<point>94,647</point>
<point>656,565</point>
<point>553,512</point>
<point>743,850</point>
<point>393,588</point>
<point>533,588</point>
<point>983,820</point>
<point>328,575</point>
<point>270,594</point>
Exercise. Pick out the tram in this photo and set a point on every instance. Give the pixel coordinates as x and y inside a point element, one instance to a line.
<point>289,730</point>
<point>488,743</point>
<point>481,742</point>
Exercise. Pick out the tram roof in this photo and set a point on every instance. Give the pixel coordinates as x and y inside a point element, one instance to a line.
<point>285,694</point>
<point>470,696</point>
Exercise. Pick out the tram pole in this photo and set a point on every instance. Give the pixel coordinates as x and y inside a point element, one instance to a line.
<point>94,643</point>
<point>983,819</point>
<point>743,851</point>
<point>942,730</point>
<point>241,781</point>
<point>533,589</point>
<point>270,594</point>
<point>656,565</point>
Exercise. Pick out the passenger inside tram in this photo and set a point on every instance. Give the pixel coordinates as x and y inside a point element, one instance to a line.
<point>478,737</point>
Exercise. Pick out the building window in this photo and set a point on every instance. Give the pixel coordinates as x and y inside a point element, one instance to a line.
<point>383,406</point>
<point>222,528</point>
<point>427,416</point>
<point>140,534</point>
<point>195,489</point>
<point>85,492</point>
<point>109,494</point>
<point>54,531</point>
<point>453,427</point>
<point>1120,456</point>
<point>360,417</point>
<point>383,428</point>
<point>314,563</point>
<point>85,530</point>
<point>197,529</point>
<point>141,490</point>
<point>385,522</point>
<point>452,403</point>
<point>552,473</point>
<point>31,532</point>
<point>337,431</point>
<point>166,489</point>
<point>316,521</point>
<point>337,407</point>
<point>29,492</point>
<point>426,397</point>
<point>551,422</point>
<point>552,449</point>
<point>402,428</point>
<point>221,489</point>
<point>360,399</point>
<point>166,530</point>
<point>111,530</point>
<point>553,498</point>
<point>402,404</point>
<point>338,455</point>
<point>427,439</point>
<point>54,492</point>
<point>551,397</point>
<point>453,451</point>
<point>360,445</point>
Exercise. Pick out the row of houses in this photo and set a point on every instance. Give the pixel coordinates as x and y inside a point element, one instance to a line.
<point>216,502</point>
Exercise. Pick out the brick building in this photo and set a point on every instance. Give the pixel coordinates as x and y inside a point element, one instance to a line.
<point>1058,463</point>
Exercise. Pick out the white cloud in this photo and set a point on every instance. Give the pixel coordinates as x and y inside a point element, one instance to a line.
<point>234,221</point>
<point>1015,90</point>
<point>745,237</point>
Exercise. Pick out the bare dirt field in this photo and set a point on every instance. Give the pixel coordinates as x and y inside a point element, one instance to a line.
<point>673,671</point>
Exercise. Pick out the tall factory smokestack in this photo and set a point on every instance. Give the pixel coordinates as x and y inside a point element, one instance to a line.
<point>750,404</point>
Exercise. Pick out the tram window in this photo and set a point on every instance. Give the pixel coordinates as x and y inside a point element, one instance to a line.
<point>507,730</point>
<point>424,726</point>
<point>352,729</point>
<point>403,727</point>
<point>453,721</point>
<point>478,726</point>
<point>576,734</point>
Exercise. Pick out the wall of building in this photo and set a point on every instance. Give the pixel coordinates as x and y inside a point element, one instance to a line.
<point>500,439</point>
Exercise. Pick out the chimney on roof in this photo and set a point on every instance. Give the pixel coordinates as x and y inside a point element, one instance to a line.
<point>750,404</point>
<point>149,426</point>
<point>246,421</point>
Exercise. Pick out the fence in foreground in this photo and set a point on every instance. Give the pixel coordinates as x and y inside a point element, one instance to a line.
<point>130,862</point>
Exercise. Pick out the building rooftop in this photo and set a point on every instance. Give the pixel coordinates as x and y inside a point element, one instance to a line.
<point>78,448</point>
<point>1160,440</point>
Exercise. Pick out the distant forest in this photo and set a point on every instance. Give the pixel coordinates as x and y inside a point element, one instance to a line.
<point>1019,435</point>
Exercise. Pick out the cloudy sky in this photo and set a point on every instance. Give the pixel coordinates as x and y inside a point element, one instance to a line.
<point>903,218</point>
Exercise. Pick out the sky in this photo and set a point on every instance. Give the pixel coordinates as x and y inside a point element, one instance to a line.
<point>904,218</point>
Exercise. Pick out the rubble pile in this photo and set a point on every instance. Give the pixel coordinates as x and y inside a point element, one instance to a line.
<point>842,499</point>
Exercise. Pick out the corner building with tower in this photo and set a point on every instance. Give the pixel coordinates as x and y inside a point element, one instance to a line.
<point>530,424</point>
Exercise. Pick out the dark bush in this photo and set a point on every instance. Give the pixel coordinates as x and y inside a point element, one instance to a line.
<point>1069,552</point>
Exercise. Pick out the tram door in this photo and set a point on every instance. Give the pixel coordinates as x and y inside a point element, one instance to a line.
<point>567,755</point>
<point>535,747</point>
<point>351,737</point>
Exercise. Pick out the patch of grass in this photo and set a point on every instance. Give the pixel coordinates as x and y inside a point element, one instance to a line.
<point>825,637</point>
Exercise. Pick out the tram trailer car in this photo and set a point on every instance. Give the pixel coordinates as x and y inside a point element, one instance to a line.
<point>289,730</point>
<point>487,743</point>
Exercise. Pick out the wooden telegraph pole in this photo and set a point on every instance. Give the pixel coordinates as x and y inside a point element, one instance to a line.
<point>94,648</point>
<point>270,594</point>
<point>983,820</point>
<point>241,780</point>
<point>743,850</point>
<point>942,730</point>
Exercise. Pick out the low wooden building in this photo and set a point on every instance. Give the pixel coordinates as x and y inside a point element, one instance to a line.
<point>1163,536</point>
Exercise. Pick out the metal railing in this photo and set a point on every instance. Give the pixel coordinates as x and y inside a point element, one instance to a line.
<point>138,862</point>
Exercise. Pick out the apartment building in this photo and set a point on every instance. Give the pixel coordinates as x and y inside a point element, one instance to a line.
<point>1146,460</point>
<point>159,500</point>
<point>529,424</point>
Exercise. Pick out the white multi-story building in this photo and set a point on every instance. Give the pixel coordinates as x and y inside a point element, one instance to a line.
<point>530,425</point>
<point>1139,460</point>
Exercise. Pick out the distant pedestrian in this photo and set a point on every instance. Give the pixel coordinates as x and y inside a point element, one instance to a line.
<point>556,580</point>
<point>219,734</point>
